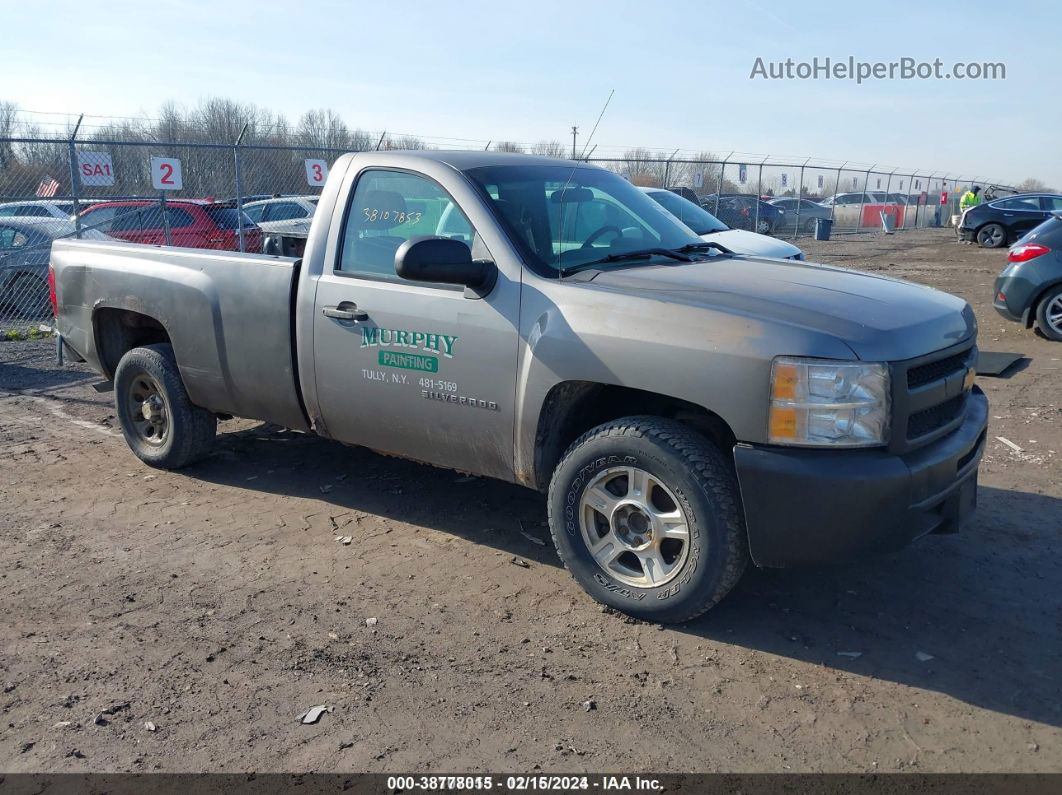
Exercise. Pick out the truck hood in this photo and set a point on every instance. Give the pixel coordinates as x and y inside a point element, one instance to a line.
<point>742,241</point>
<point>878,318</point>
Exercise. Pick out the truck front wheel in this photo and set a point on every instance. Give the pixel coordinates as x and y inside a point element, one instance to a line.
<point>161,425</point>
<point>645,514</point>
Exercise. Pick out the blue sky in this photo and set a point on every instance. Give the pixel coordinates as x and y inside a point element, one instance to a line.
<point>528,71</point>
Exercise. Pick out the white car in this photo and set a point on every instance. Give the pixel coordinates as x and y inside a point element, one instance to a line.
<point>43,208</point>
<point>710,228</point>
<point>282,208</point>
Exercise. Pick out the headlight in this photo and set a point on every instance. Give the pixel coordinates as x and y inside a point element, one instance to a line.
<point>821,403</point>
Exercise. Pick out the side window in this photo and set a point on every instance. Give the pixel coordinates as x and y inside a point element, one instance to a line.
<point>12,238</point>
<point>255,213</point>
<point>178,218</point>
<point>285,211</point>
<point>8,211</point>
<point>1052,204</point>
<point>33,211</point>
<point>100,219</point>
<point>1026,203</point>
<point>387,209</point>
<point>127,219</point>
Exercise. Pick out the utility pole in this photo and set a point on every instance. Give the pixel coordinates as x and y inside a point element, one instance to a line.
<point>575,131</point>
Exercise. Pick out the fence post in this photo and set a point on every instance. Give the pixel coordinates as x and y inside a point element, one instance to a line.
<point>667,169</point>
<point>719,187</point>
<point>759,192</point>
<point>836,188</point>
<point>239,188</point>
<point>888,187</point>
<point>863,197</point>
<point>74,181</point>
<point>800,195</point>
<point>165,218</point>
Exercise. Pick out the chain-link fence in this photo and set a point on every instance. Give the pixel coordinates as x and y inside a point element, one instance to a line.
<point>227,195</point>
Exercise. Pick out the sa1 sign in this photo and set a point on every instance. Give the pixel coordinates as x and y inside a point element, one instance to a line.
<point>166,173</point>
<point>95,168</point>
<point>316,173</point>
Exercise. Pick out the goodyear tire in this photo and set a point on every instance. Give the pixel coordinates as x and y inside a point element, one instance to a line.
<point>160,424</point>
<point>645,514</point>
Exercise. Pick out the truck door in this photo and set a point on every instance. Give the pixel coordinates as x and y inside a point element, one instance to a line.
<point>408,368</point>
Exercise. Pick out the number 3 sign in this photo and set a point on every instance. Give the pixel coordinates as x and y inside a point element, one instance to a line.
<point>316,172</point>
<point>166,173</point>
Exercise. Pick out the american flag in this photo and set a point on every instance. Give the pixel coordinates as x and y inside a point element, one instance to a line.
<point>48,187</point>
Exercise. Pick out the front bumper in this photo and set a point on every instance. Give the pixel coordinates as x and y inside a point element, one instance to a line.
<point>814,506</point>
<point>967,234</point>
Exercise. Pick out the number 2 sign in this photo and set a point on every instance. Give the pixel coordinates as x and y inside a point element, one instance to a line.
<point>316,172</point>
<point>166,173</point>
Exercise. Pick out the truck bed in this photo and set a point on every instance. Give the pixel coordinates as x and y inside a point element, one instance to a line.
<point>228,317</point>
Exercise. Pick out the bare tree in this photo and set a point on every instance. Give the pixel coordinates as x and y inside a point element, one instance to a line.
<point>324,129</point>
<point>508,146</point>
<point>404,142</point>
<point>8,124</point>
<point>549,149</point>
<point>643,168</point>
<point>1032,185</point>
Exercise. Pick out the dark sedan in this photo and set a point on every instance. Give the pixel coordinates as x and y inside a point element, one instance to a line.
<point>1000,221</point>
<point>1029,290</point>
<point>739,211</point>
<point>25,245</point>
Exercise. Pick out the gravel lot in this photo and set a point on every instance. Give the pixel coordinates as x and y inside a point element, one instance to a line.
<point>215,605</point>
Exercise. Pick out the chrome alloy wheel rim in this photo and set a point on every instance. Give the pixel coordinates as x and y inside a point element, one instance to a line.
<point>634,527</point>
<point>147,409</point>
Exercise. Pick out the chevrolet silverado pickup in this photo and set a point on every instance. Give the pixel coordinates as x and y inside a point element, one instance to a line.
<point>544,322</point>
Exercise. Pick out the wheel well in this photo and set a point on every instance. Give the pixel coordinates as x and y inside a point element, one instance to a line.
<point>118,331</point>
<point>573,407</point>
<point>1034,305</point>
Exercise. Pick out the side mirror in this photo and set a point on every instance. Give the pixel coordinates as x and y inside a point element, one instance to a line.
<point>442,261</point>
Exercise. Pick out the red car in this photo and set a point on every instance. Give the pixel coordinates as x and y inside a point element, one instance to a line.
<point>194,223</point>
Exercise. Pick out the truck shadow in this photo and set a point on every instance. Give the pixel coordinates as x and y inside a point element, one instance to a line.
<point>355,479</point>
<point>975,616</point>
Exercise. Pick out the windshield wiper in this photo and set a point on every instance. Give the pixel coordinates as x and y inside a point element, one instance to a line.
<point>705,244</point>
<point>641,253</point>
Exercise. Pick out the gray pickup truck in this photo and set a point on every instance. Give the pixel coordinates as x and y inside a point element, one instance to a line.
<point>546,323</point>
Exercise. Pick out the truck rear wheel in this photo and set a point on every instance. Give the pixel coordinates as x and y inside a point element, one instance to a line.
<point>645,514</point>
<point>161,425</point>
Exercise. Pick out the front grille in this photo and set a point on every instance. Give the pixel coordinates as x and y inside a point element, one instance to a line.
<point>934,371</point>
<point>928,396</point>
<point>928,420</point>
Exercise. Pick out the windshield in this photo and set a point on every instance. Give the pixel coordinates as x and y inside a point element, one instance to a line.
<point>564,217</point>
<point>696,218</point>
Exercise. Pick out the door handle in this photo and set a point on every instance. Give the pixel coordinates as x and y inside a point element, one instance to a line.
<point>347,310</point>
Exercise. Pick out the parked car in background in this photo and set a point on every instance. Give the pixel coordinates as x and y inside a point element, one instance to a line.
<point>1029,289</point>
<point>996,223</point>
<point>847,199</point>
<point>38,209</point>
<point>193,223</point>
<point>739,211</point>
<point>711,228</point>
<point>281,208</point>
<point>25,247</point>
<point>809,211</point>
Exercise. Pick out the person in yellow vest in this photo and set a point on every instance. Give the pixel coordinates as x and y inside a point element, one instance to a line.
<point>971,198</point>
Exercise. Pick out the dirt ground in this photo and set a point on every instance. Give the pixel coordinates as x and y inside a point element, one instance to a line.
<point>183,621</point>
